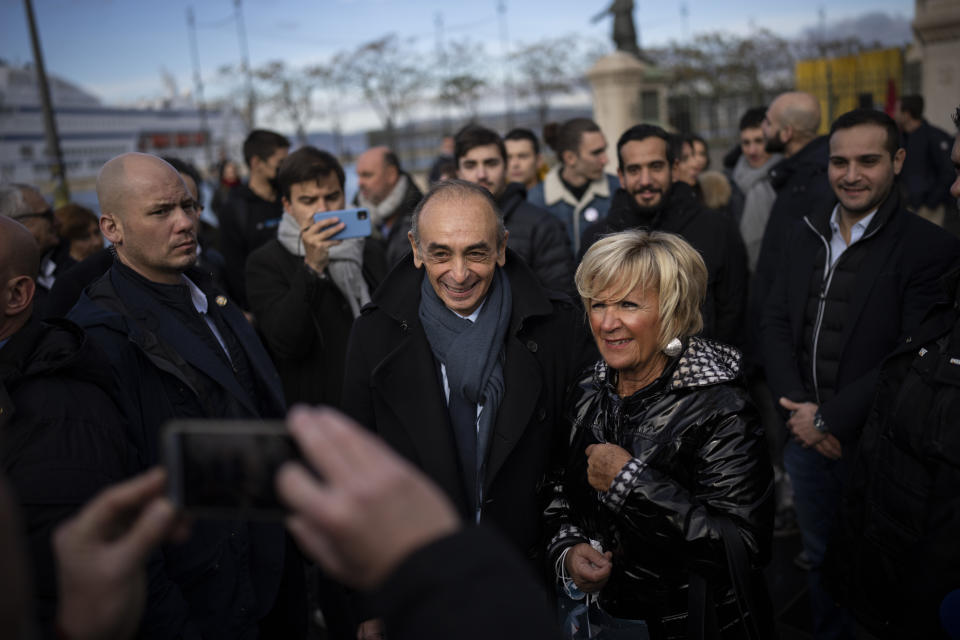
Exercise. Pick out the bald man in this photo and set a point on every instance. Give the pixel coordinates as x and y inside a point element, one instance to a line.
<point>62,435</point>
<point>26,205</point>
<point>181,349</point>
<point>797,185</point>
<point>390,195</point>
<point>800,179</point>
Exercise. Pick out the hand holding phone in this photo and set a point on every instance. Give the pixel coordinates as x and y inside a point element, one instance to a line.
<point>317,239</point>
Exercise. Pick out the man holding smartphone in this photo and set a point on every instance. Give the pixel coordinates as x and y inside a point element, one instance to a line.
<point>180,349</point>
<point>305,287</point>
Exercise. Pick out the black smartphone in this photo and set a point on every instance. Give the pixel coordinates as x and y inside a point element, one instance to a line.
<point>226,468</point>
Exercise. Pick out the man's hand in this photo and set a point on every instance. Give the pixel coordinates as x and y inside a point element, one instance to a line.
<point>102,553</point>
<point>604,462</point>
<point>316,242</point>
<point>369,510</point>
<point>801,422</point>
<point>589,568</point>
<point>801,426</point>
<point>830,447</point>
<point>370,630</point>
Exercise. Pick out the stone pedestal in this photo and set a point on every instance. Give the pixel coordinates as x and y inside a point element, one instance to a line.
<point>626,91</point>
<point>937,27</point>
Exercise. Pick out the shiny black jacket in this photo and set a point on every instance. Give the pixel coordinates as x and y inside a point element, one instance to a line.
<point>698,452</point>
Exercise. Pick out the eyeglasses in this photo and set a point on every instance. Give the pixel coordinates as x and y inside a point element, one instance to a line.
<point>48,214</point>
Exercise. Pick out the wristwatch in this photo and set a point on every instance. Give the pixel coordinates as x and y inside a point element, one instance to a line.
<point>819,424</point>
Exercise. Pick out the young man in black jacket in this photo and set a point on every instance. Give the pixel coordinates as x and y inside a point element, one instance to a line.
<point>252,213</point>
<point>535,234</point>
<point>856,280</point>
<point>305,288</point>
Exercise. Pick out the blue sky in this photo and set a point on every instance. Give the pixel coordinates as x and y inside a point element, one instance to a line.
<point>118,48</point>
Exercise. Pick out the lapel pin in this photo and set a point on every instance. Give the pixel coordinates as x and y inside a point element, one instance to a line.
<point>221,301</point>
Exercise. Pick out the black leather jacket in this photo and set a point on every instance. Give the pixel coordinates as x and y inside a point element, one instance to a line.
<point>698,452</point>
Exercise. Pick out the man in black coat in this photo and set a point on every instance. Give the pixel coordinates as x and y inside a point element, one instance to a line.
<point>304,288</point>
<point>479,407</point>
<point>927,173</point>
<point>390,195</point>
<point>179,349</point>
<point>648,198</point>
<point>856,279</point>
<point>800,180</point>
<point>251,214</point>
<point>62,436</point>
<point>536,235</point>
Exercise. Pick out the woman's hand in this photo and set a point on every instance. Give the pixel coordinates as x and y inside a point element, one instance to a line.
<point>604,462</point>
<point>589,568</point>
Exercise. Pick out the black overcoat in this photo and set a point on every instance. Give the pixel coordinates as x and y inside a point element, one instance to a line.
<point>393,387</point>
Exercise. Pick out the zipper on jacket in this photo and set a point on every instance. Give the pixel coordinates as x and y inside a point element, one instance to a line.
<point>828,271</point>
<point>821,304</point>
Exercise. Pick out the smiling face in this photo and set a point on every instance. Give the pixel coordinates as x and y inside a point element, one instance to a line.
<point>458,248</point>
<point>154,224</point>
<point>861,171</point>
<point>627,331</point>
<point>483,166</point>
<point>646,174</point>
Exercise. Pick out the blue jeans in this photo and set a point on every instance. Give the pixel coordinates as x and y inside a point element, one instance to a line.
<point>818,485</point>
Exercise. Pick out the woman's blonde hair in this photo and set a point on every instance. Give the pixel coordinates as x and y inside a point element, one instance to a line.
<point>620,262</point>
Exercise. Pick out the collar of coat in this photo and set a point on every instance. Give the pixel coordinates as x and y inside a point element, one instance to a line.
<point>813,156</point>
<point>703,363</point>
<point>820,220</point>
<point>680,204</point>
<point>399,294</point>
<point>554,191</point>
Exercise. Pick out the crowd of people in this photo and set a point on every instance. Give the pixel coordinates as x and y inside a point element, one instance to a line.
<point>554,404</point>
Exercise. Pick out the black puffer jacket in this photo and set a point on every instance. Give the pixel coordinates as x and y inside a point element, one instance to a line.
<point>698,452</point>
<point>894,557</point>
<point>537,236</point>
<point>62,436</point>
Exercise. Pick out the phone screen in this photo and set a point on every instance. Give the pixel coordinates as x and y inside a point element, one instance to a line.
<point>227,468</point>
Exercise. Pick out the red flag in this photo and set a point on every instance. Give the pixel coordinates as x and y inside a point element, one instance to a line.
<point>891,105</point>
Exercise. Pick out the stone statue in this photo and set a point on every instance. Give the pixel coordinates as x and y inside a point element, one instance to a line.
<point>624,33</point>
